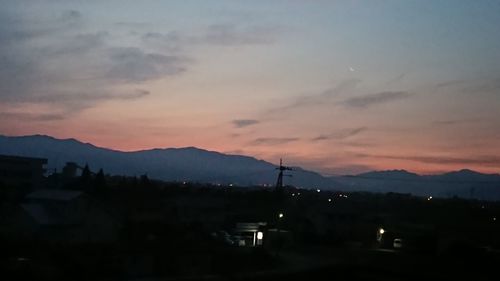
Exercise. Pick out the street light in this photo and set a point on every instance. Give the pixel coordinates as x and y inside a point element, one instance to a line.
<point>380,234</point>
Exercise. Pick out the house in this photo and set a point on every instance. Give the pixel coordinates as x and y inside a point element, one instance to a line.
<point>24,172</point>
<point>249,233</point>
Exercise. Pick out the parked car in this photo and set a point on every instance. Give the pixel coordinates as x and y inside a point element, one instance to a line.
<point>397,243</point>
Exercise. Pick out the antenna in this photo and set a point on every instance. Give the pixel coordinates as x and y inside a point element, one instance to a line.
<point>281,168</point>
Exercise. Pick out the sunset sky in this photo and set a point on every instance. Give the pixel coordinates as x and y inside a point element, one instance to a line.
<point>339,87</point>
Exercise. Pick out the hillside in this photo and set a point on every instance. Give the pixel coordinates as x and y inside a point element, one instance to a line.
<point>199,165</point>
<point>169,164</point>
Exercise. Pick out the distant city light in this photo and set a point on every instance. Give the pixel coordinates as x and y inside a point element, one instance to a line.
<point>317,190</point>
<point>293,194</point>
<point>280,215</point>
<point>231,184</point>
<point>260,235</point>
<point>381,231</point>
<point>329,199</point>
<point>494,218</point>
<point>429,198</point>
<point>298,193</point>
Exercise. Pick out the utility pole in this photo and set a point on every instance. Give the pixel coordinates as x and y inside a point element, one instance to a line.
<point>280,201</point>
<point>281,168</point>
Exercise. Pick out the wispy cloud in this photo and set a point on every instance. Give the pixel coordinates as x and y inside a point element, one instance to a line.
<point>241,123</point>
<point>133,65</point>
<point>470,86</point>
<point>351,169</point>
<point>71,16</point>
<point>58,60</point>
<point>491,85</point>
<point>172,41</point>
<point>215,35</point>
<point>374,99</point>
<point>231,34</point>
<point>323,163</point>
<point>486,160</point>
<point>21,116</point>
<point>340,134</point>
<point>133,24</point>
<point>90,96</point>
<point>273,141</point>
<point>78,44</point>
<point>396,79</point>
<point>456,121</point>
<point>55,62</point>
<point>325,96</point>
<point>449,83</point>
<point>15,29</point>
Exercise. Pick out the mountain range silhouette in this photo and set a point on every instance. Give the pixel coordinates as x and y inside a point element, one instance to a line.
<point>198,165</point>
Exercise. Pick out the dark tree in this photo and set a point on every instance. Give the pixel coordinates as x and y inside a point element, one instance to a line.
<point>100,180</point>
<point>85,177</point>
<point>100,187</point>
<point>145,180</point>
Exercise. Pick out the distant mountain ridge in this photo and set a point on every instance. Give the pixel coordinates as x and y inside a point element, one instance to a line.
<point>169,164</point>
<point>199,165</point>
<point>464,183</point>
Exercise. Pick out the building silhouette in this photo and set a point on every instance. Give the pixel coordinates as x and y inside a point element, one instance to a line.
<point>23,172</point>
